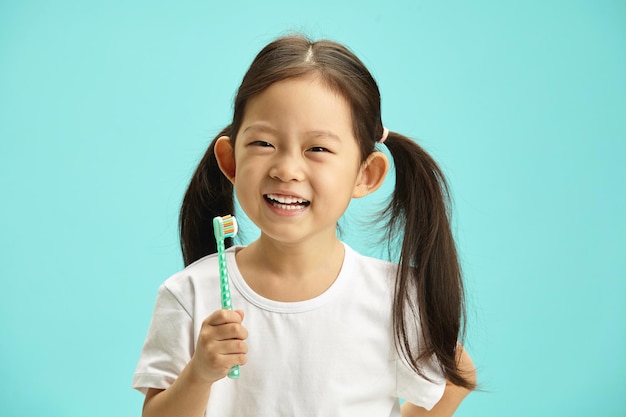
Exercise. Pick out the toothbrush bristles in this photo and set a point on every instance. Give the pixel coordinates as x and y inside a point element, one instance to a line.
<point>229,226</point>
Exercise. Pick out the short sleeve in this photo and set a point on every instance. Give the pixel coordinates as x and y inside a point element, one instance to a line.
<point>417,390</point>
<point>169,344</point>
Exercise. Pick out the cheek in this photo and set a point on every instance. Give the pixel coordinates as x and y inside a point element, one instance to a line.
<point>245,170</point>
<point>342,182</point>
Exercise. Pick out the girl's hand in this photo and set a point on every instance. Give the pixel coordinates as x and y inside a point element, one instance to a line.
<point>220,346</point>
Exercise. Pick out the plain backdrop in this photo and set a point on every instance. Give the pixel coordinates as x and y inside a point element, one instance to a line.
<point>106,107</point>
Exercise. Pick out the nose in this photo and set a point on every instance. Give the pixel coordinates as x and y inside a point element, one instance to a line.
<point>287,167</point>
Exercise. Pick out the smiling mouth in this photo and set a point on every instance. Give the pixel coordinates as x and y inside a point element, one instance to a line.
<point>286,202</point>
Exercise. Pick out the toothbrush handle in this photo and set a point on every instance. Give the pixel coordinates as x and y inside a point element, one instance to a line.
<point>225,294</point>
<point>224,284</point>
<point>234,372</point>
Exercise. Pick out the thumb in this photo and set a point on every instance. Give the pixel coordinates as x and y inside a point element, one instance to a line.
<point>241,314</point>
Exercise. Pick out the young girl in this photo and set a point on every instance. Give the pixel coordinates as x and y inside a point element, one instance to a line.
<point>321,330</point>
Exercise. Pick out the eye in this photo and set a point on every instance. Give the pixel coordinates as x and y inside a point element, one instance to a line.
<point>318,149</point>
<point>260,143</point>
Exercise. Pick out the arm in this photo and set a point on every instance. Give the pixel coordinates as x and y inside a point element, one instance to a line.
<point>220,347</point>
<point>187,396</point>
<point>452,396</point>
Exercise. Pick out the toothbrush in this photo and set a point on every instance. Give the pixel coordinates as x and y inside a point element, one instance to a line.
<point>224,227</point>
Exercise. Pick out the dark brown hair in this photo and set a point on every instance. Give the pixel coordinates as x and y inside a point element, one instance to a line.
<point>429,289</point>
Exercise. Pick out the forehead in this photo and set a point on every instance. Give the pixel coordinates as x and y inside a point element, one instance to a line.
<point>306,102</point>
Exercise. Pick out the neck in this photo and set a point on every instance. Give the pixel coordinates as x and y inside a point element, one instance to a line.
<point>291,272</point>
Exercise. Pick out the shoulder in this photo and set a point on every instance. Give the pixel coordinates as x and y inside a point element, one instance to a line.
<point>196,280</point>
<point>371,274</point>
<point>369,265</point>
<point>195,272</point>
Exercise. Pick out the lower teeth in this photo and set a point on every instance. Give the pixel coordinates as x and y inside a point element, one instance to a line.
<point>296,205</point>
<point>287,207</point>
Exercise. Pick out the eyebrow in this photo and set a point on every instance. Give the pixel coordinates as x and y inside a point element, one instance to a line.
<point>324,133</point>
<point>259,128</point>
<point>312,133</point>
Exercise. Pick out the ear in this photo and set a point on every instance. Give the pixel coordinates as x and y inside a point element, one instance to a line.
<point>225,155</point>
<point>371,174</point>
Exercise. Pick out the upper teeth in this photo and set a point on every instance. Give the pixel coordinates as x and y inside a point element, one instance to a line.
<point>286,199</point>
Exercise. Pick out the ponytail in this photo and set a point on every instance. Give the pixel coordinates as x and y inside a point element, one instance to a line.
<point>209,194</point>
<point>429,289</point>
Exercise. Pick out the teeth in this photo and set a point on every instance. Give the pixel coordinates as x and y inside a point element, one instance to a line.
<point>287,207</point>
<point>286,199</point>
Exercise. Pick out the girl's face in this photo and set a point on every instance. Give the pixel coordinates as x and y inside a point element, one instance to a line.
<point>296,161</point>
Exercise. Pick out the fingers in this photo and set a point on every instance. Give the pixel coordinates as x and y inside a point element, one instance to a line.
<point>224,316</point>
<point>225,325</point>
<point>220,344</point>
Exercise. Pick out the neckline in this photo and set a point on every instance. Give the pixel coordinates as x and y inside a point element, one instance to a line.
<point>283,306</point>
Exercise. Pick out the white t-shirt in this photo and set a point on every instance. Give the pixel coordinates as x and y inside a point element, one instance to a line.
<point>332,355</point>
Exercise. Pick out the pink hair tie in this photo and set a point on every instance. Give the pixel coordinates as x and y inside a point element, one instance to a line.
<point>383,138</point>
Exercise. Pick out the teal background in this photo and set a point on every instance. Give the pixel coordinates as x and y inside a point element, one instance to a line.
<point>106,107</point>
